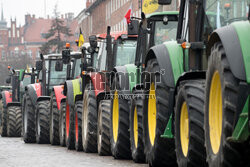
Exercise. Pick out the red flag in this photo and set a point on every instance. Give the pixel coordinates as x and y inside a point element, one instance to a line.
<point>128,14</point>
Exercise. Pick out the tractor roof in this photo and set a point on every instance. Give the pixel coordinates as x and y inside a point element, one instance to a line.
<point>163,13</point>
<point>53,56</point>
<point>115,35</point>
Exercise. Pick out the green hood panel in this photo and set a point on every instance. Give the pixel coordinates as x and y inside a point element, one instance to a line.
<point>131,70</point>
<point>243,30</point>
<point>176,57</point>
<point>77,87</point>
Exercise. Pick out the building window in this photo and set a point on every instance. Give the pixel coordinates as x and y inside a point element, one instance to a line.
<point>3,55</point>
<point>13,31</point>
<point>18,34</point>
<point>29,53</point>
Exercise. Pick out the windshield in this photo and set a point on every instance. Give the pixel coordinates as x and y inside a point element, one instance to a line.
<point>57,77</point>
<point>77,68</point>
<point>221,13</point>
<point>165,32</point>
<point>126,52</point>
<point>26,80</point>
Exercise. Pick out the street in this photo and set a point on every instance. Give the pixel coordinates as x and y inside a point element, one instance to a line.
<point>15,153</point>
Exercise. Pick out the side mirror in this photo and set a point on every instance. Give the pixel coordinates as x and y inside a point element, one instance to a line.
<point>164,2</point>
<point>133,27</point>
<point>39,65</point>
<point>66,56</point>
<point>59,65</point>
<point>8,80</point>
<point>93,41</point>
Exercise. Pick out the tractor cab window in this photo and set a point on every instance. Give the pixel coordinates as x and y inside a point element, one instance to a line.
<point>221,13</point>
<point>125,53</point>
<point>26,81</point>
<point>77,70</point>
<point>56,77</point>
<point>101,58</point>
<point>165,32</point>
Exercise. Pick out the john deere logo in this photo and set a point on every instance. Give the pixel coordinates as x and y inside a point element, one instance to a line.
<point>149,6</point>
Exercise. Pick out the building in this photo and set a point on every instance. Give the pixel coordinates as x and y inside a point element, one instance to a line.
<point>17,42</point>
<point>99,14</point>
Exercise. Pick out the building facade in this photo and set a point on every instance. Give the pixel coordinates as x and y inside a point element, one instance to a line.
<point>99,14</point>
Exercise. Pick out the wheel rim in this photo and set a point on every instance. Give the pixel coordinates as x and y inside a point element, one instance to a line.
<point>152,114</point>
<point>67,120</point>
<point>184,129</point>
<point>115,116</point>
<point>215,112</point>
<point>135,128</point>
<point>76,127</point>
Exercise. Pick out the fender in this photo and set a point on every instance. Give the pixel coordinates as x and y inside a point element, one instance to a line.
<point>41,98</point>
<point>72,88</point>
<point>59,95</point>
<point>6,95</point>
<point>18,104</point>
<point>34,91</point>
<point>235,39</point>
<point>97,81</point>
<point>170,59</point>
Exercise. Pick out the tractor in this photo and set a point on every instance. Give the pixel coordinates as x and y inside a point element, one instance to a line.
<point>151,30</point>
<point>12,114</point>
<point>2,89</point>
<point>196,111</point>
<point>71,106</point>
<point>57,99</point>
<point>37,98</point>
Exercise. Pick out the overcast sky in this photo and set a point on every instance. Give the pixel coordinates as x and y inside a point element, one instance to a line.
<point>18,8</point>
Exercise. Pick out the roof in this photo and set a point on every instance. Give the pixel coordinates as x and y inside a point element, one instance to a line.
<point>113,34</point>
<point>162,13</point>
<point>34,33</point>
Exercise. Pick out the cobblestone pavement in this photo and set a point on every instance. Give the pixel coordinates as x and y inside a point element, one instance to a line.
<point>15,153</point>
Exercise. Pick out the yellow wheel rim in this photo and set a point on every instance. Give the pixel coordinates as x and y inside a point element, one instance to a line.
<point>184,129</point>
<point>135,128</point>
<point>115,116</point>
<point>215,112</point>
<point>152,114</point>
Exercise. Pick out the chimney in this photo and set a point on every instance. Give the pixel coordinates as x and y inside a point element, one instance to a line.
<point>28,19</point>
<point>47,16</point>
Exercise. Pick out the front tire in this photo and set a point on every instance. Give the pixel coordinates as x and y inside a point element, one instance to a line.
<point>136,134</point>
<point>42,122</point>
<point>70,127</point>
<point>62,124</point>
<point>4,121</point>
<point>103,128</point>
<point>54,121</point>
<point>189,121</point>
<point>89,120</point>
<point>78,126</point>
<point>221,115</point>
<point>14,122</point>
<point>29,131</point>
<point>156,114</point>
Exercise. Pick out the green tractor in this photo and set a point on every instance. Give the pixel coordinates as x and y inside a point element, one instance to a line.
<point>153,30</point>
<point>197,109</point>
<point>11,117</point>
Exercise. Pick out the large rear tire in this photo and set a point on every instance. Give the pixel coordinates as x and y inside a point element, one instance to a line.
<point>189,121</point>
<point>119,130</point>
<point>103,128</point>
<point>14,122</point>
<point>136,134</point>
<point>156,114</point>
<point>78,125</point>
<point>29,131</point>
<point>70,127</point>
<point>62,124</point>
<point>221,114</point>
<point>42,122</point>
<point>89,120</point>
<point>54,121</point>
